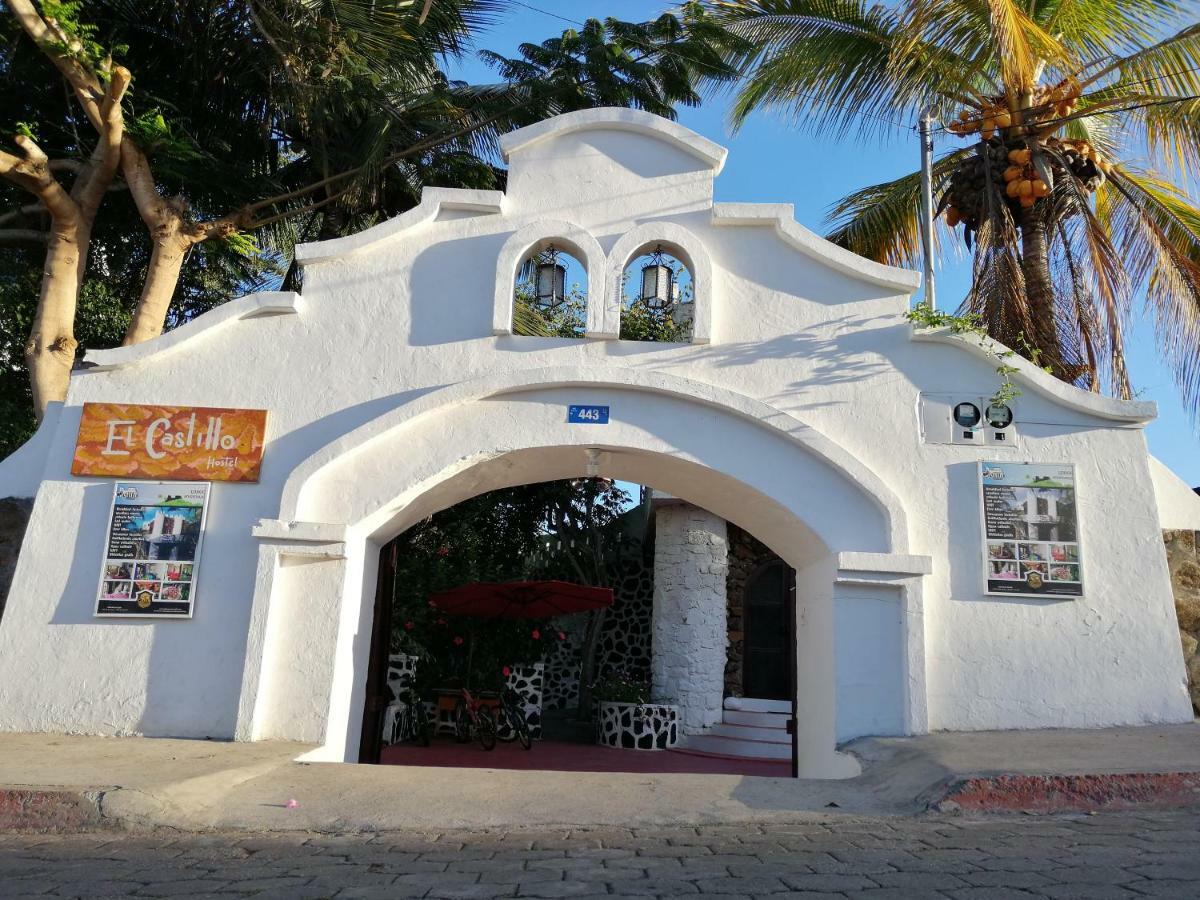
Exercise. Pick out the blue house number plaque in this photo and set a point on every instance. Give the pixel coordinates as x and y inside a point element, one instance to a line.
<point>587,415</point>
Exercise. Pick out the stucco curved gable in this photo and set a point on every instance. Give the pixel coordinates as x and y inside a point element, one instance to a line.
<point>781,217</point>
<point>615,118</point>
<point>252,306</point>
<point>1135,412</point>
<point>433,201</point>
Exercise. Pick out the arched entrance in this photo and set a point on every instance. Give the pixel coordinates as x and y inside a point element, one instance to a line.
<point>825,515</point>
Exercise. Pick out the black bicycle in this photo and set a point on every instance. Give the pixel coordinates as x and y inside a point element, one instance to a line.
<point>411,722</point>
<point>514,726</point>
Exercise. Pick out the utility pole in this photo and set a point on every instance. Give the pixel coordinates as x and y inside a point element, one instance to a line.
<point>926,131</point>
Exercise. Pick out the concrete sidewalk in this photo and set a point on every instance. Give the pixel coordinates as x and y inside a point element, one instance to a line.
<point>197,785</point>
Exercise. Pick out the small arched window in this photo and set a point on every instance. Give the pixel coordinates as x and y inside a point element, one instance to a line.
<point>657,297</point>
<point>549,276</point>
<point>550,293</point>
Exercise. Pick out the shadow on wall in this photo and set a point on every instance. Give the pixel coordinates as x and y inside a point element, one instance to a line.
<point>846,351</point>
<point>14,516</point>
<point>451,289</point>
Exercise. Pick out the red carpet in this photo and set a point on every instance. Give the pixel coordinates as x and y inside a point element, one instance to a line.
<point>559,756</point>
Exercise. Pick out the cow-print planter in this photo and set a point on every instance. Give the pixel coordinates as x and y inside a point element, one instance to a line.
<point>638,726</point>
<point>528,682</point>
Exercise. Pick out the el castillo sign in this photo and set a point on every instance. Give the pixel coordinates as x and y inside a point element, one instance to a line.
<point>172,443</point>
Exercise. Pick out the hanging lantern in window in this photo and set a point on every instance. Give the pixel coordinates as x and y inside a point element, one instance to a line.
<point>658,281</point>
<point>551,280</point>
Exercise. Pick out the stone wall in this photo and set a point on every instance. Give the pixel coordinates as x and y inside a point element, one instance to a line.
<point>624,637</point>
<point>14,516</point>
<point>746,553</point>
<point>1183,559</point>
<point>690,633</point>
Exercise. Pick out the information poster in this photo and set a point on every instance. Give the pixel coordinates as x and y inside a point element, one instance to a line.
<point>1030,529</point>
<point>152,549</point>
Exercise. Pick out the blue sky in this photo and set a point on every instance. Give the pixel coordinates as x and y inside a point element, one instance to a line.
<point>772,162</point>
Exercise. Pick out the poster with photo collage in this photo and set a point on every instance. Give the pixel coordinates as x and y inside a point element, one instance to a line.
<point>1030,529</point>
<point>152,549</point>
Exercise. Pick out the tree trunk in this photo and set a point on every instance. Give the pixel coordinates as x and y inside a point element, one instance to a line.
<point>1039,289</point>
<point>50,349</point>
<point>162,277</point>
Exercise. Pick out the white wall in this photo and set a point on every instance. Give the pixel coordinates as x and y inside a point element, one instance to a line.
<point>389,397</point>
<point>869,652</point>
<point>1178,504</point>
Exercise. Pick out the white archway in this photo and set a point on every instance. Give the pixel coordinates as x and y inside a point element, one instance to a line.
<point>814,505</point>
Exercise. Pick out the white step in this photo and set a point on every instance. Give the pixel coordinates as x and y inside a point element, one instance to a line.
<point>752,704</point>
<point>725,746</point>
<point>755,719</point>
<point>747,733</point>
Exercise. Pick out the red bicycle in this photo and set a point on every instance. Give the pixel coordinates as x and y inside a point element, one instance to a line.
<point>473,718</point>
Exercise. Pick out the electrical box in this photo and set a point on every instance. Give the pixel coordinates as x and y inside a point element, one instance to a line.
<point>967,421</point>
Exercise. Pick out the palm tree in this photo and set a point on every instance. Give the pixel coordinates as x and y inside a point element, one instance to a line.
<point>1063,115</point>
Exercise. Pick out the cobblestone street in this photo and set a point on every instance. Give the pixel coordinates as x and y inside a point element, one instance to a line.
<point>1092,857</point>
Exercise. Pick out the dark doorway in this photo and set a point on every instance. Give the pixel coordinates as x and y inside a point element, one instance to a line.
<point>378,694</point>
<point>767,662</point>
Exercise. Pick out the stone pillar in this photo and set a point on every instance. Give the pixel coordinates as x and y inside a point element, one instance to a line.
<point>1183,559</point>
<point>689,629</point>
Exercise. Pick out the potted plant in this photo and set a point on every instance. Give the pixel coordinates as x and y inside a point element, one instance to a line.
<point>627,718</point>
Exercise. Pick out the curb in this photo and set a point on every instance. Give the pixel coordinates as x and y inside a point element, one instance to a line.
<point>1072,793</point>
<point>49,809</point>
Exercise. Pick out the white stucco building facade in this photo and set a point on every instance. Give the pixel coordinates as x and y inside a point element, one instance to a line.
<point>799,411</point>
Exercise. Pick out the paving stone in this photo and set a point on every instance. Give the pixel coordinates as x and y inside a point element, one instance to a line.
<point>1165,888</point>
<point>552,889</point>
<point>819,882</point>
<point>919,882</point>
<point>1124,856</point>
<point>658,887</point>
<point>990,892</point>
<point>749,885</point>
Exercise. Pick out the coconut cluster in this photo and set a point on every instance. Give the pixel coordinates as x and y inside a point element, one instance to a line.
<point>1019,161</point>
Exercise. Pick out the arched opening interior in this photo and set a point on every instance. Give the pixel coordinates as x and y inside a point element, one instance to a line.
<point>658,295</point>
<point>550,293</point>
<point>596,688</point>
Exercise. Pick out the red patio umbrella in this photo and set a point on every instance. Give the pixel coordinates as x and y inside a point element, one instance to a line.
<point>521,599</point>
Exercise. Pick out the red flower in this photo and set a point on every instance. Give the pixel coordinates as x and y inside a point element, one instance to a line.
<point>457,641</point>
<point>443,551</point>
<point>408,626</point>
<point>562,635</point>
<point>506,671</point>
<point>535,634</point>
<point>432,605</point>
<point>439,621</point>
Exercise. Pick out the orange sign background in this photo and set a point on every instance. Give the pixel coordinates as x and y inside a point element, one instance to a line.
<point>170,443</point>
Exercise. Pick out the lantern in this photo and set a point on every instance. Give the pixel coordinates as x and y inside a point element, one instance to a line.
<point>551,280</point>
<point>658,282</point>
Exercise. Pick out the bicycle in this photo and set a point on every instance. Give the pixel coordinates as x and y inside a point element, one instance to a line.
<point>513,725</point>
<point>473,718</point>
<point>411,721</point>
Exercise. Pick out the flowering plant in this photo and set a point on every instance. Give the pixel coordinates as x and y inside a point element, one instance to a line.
<point>620,687</point>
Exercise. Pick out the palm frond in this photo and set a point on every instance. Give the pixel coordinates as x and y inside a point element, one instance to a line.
<point>1157,230</point>
<point>881,222</point>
